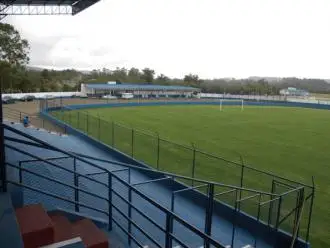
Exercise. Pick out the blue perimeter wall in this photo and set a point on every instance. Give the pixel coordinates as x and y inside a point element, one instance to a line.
<point>224,102</point>
<point>245,221</point>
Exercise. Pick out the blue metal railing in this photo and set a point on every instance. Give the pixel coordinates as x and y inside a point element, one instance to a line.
<point>170,237</point>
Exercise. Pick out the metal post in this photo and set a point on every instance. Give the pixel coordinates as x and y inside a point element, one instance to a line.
<point>193,164</point>
<point>271,204</point>
<point>70,117</point>
<point>78,120</point>
<point>20,172</point>
<point>129,215</point>
<point>300,209</point>
<point>65,128</point>
<point>99,128</point>
<point>278,213</point>
<point>110,201</point>
<point>20,116</point>
<point>62,113</point>
<point>241,183</point>
<point>310,211</point>
<point>169,230</point>
<point>296,214</point>
<point>132,152</point>
<point>87,123</point>
<point>2,145</point>
<point>277,220</point>
<point>76,184</point>
<point>258,217</point>
<point>113,134</point>
<point>209,213</point>
<point>158,150</point>
<point>234,221</point>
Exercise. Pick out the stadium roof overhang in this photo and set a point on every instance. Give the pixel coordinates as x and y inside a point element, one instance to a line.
<point>140,87</point>
<point>43,7</point>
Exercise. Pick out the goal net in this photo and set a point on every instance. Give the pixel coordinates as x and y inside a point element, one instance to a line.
<point>235,102</point>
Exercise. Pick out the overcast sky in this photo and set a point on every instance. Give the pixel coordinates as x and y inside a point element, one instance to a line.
<point>212,38</point>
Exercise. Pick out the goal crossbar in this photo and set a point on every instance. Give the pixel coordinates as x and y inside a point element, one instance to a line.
<point>240,103</point>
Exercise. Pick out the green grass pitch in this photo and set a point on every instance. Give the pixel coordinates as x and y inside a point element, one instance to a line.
<point>291,142</point>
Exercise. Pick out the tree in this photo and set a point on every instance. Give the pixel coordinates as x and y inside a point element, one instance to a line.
<point>134,72</point>
<point>148,75</point>
<point>13,49</point>
<point>162,79</point>
<point>45,74</point>
<point>120,74</point>
<point>192,79</point>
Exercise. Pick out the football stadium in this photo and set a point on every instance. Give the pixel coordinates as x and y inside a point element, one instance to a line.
<point>137,90</point>
<point>152,166</point>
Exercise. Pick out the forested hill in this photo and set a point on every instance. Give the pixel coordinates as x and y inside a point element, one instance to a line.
<point>33,79</point>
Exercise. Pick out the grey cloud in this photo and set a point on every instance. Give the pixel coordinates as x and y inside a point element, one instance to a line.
<point>100,51</point>
<point>40,50</point>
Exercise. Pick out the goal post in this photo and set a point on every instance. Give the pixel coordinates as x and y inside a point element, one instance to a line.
<point>238,102</point>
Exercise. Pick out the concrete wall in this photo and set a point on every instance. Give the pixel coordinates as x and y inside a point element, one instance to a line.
<point>229,103</point>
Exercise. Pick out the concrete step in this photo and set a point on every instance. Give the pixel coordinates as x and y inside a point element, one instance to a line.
<point>38,229</point>
<point>35,225</point>
<point>91,236</point>
<point>62,228</point>
<point>71,243</point>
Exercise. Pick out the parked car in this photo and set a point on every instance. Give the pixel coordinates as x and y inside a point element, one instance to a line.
<point>49,97</point>
<point>28,98</point>
<point>8,100</point>
<point>127,96</point>
<point>109,97</point>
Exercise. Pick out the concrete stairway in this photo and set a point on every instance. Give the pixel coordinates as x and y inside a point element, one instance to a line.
<point>38,229</point>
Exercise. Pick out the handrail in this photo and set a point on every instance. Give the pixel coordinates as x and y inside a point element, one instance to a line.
<point>176,175</point>
<point>56,196</point>
<point>48,159</point>
<point>51,146</point>
<point>28,143</point>
<point>57,181</point>
<point>192,228</point>
<point>138,210</point>
<point>50,163</point>
<point>164,209</point>
<point>136,226</point>
<point>155,171</point>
